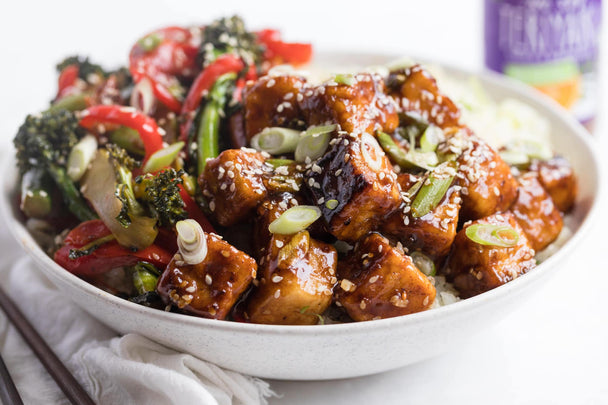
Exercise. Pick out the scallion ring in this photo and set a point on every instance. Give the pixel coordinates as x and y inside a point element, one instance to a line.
<point>276,140</point>
<point>321,129</point>
<point>163,158</point>
<point>295,220</point>
<point>345,79</point>
<point>191,241</point>
<point>313,143</point>
<point>279,162</point>
<point>80,156</point>
<point>493,235</point>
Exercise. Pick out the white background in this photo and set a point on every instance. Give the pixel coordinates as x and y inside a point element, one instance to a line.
<point>552,350</point>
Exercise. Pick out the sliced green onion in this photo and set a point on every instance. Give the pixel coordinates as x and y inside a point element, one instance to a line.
<point>493,235</point>
<point>331,204</point>
<point>71,102</point>
<point>276,140</point>
<point>313,143</point>
<point>407,160</point>
<point>430,138</point>
<point>279,162</point>
<point>191,241</point>
<point>433,190</point>
<point>345,79</point>
<point>80,156</point>
<point>163,158</point>
<point>295,220</point>
<point>128,139</point>
<point>150,42</point>
<point>321,129</point>
<point>423,263</point>
<point>145,277</point>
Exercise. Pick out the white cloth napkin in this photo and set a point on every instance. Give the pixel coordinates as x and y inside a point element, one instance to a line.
<point>114,370</point>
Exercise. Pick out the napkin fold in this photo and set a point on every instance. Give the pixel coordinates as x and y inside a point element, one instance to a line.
<point>114,369</point>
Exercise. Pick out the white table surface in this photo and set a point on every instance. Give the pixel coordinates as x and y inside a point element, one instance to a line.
<point>553,350</point>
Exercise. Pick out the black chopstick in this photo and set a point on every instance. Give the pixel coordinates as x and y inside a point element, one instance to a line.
<point>64,379</point>
<point>8,392</point>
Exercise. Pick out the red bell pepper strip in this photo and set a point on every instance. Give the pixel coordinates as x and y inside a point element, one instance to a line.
<point>226,63</point>
<point>106,256</point>
<point>194,211</point>
<point>172,54</point>
<point>278,52</point>
<point>129,117</point>
<point>67,80</point>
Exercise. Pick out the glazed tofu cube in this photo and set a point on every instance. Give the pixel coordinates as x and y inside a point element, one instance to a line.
<point>380,281</point>
<point>271,101</point>
<point>416,91</point>
<point>234,184</point>
<point>269,210</point>
<point>535,212</point>
<point>354,186</point>
<point>297,279</point>
<point>487,184</point>
<point>210,288</point>
<point>359,107</point>
<point>475,268</point>
<point>432,233</point>
<point>557,177</point>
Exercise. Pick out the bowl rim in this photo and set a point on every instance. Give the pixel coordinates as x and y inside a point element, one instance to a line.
<point>20,233</point>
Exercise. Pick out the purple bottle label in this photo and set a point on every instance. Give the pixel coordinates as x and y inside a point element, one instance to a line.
<point>550,44</point>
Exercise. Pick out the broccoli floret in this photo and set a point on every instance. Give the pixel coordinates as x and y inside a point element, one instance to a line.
<point>123,165</point>
<point>229,35</point>
<point>161,193</point>
<point>44,142</point>
<point>85,67</point>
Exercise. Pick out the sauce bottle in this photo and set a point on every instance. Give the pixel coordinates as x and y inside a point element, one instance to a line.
<point>551,45</point>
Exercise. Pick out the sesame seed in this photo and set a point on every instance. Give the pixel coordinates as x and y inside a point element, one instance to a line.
<point>347,285</point>
<point>208,279</point>
<point>277,294</point>
<point>276,278</point>
<point>373,279</point>
<point>279,243</point>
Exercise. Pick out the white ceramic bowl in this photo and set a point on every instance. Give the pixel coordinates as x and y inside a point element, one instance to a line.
<point>341,350</point>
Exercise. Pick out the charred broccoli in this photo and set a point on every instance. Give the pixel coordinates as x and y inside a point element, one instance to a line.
<point>153,195</point>
<point>229,35</point>
<point>161,193</point>
<point>43,143</point>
